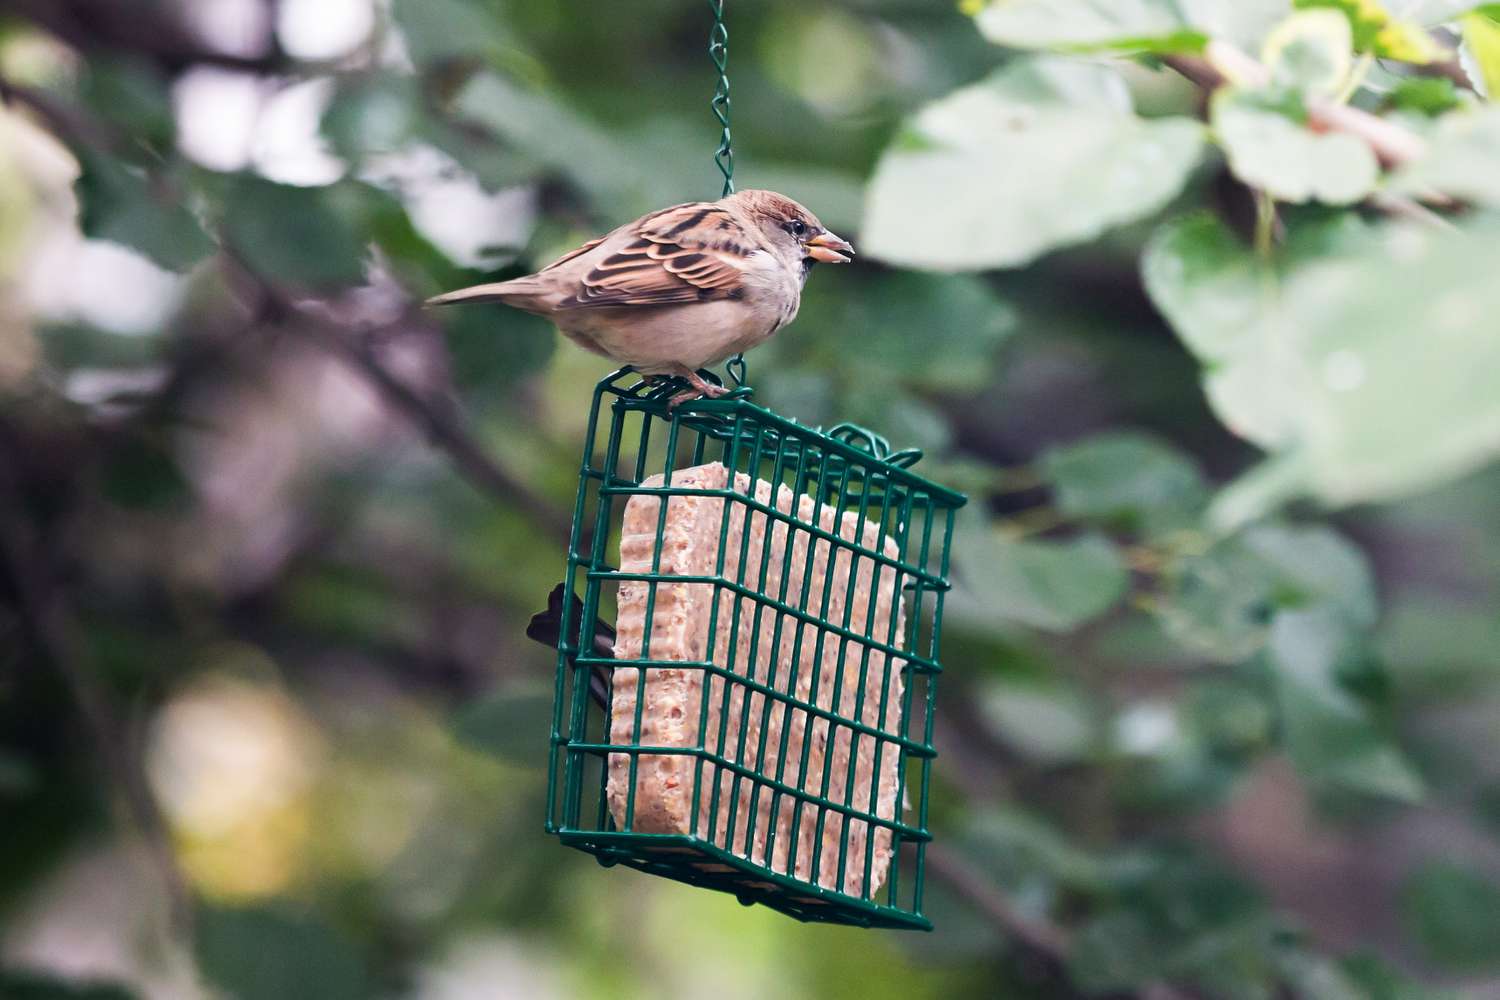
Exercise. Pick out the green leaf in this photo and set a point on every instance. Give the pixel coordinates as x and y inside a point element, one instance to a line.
<point>1328,731</point>
<point>1016,844</point>
<point>1451,912</point>
<point>1314,977</point>
<point>1152,26</point>
<point>1055,586</point>
<point>1051,723</point>
<point>266,954</point>
<point>1481,42</point>
<point>438,30</point>
<point>866,329</point>
<point>1046,153</point>
<point>1079,25</point>
<point>1425,95</point>
<point>1309,53</point>
<point>510,723</point>
<point>1379,32</point>
<point>1462,160</point>
<point>1126,479</point>
<point>1221,602</point>
<point>132,95</point>
<point>298,235</point>
<point>1270,151</point>
<point>1316,358</point>
<point>554,135</point>
<point>1115,951</point>
<point>118,203</point>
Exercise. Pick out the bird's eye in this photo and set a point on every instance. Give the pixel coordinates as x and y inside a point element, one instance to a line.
<point>798,227</point>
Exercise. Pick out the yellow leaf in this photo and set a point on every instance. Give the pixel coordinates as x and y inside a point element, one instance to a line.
<point>1482,39</point>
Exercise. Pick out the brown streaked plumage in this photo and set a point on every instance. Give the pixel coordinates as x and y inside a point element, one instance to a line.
<point>678,289</point>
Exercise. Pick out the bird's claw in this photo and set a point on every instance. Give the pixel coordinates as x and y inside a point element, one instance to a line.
<point>700,390</point>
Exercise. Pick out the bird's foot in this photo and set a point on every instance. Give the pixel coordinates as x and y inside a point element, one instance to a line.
<point>700,390</point>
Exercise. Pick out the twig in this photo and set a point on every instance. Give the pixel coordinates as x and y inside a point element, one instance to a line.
<point>1224,64</point>
<point>977,889</point>
<point>55,632</point>
<point>444,430</point>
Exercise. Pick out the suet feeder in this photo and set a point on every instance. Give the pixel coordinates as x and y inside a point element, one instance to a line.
<point>766,728</point>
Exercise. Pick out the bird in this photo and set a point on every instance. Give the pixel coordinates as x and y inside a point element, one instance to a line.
<point>681,288</point>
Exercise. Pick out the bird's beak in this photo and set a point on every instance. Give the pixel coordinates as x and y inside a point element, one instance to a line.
<point>830,249</point>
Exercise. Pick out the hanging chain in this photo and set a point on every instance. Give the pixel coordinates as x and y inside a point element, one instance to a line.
<point>718,51</point>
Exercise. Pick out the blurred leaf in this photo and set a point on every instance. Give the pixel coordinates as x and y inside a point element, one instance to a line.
<point>1043,154</point>
<point>1317,360</point>
<point>1079,25</point>
<point>1379,980</point>
<point>266,954</point>
<point>1126,479</point>
<point>118,203</point>
<point>1462,160</point>
<point>1229,716</point>
<point>1314,977</point>
<point>493,349</point>
<point>513,724</point>
<point>1434,12</point>
<point>35,986</point>
<point>1378,31</point>
<point>1283,157</point>
<point>377,114</point>
<point>1451,913</point>
<point>1221,602</point>
<point>1115,952</point>
<point>143,474</point>
<point>1015,843</point>
<point>1434,647</point>
<point>1308,53</point>
<point>1481,35</point>
<point>556,136</point>
<point>132,95</point>
<point>1328,732</point>
<point>1426,95</point>
<point>1055,586</point>
<point>438,30</point>
<point>1051,723</point>
<point>932,331</point>
<point>297,235</point>
<point>1177,917</point>
<point>1149,26</point>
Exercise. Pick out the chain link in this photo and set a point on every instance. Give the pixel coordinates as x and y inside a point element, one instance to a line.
<point>718,51</point>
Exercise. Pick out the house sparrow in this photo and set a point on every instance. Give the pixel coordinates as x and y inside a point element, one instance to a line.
<point>679,289</point>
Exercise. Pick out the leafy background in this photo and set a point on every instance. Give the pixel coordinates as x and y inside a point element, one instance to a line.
<point>1195,298</point>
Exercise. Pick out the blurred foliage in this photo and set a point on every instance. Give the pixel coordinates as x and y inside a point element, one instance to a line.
<point>1195,298</point>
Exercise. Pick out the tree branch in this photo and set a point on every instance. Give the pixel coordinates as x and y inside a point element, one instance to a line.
<point>441,425</point>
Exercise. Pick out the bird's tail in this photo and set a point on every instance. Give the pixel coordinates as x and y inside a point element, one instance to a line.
<point>518,292</point>
<point>546,628</point>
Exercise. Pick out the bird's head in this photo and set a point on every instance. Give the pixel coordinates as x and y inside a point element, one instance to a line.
<point>795,232</point>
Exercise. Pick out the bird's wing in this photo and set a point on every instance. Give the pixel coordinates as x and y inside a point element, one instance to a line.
<point>579,252</point>
<point>688,253</point>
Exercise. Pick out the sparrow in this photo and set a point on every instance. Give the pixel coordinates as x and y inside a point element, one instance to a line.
<point>679,289</point>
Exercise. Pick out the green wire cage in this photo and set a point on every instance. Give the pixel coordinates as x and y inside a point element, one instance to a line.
<point>761,723</point>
